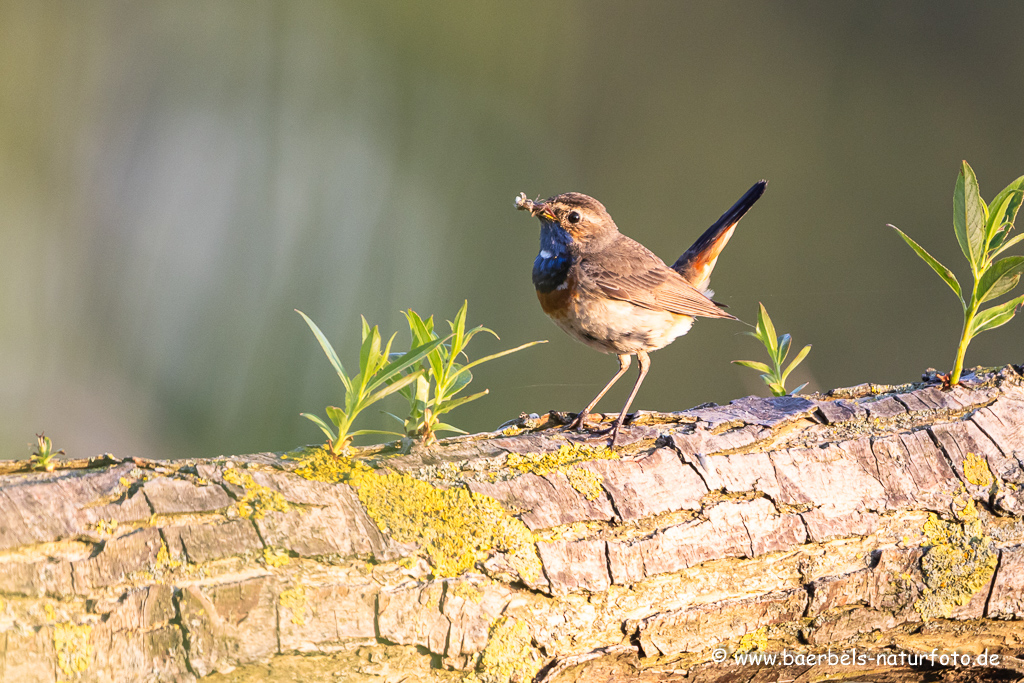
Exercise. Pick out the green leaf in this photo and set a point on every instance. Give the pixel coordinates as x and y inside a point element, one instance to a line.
<point>444,427</point>
<point>766,331</point>
<point>384,356</point>
<point>361,432</point>
<point>994,317</point>
<point>478,361</point>
<point>793,393</point>
<point>438,361</point>
<point>974,210</point>
<point>369,352</point>
<point>322,425</point>
<point>784,342</point>
<point>340,418</point>
<point>753,365</point>
<point>459,382</point>
<point>475,331</point>
<point>400,420</point>
<point>422,331</point>
<point>999,278</point>
<point>389,389</point>
<point>407,359</point>
<point>1015,191</point>
<point>945,273</point>
<point>421,391</point>
<point>459,329</point>
<point>960,217</point>
<point>796,361</point>
<point>998,218</point>
<point>328,349</point>
<point>454,403</point>
<point>1003,246</point>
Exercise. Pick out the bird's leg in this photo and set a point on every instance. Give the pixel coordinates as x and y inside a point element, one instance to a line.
<point>645,364</point>
<point>624,359</point>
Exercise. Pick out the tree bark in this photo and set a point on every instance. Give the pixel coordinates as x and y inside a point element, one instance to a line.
<point>874,533</point>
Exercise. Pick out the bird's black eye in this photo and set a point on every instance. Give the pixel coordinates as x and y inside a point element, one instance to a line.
<point>573,217</point>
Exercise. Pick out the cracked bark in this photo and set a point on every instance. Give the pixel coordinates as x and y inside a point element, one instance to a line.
<point>767,524</point>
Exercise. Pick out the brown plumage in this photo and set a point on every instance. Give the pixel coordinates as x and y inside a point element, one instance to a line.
<point>612,293</point>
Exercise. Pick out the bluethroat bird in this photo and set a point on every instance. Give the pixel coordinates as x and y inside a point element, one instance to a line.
<point>612,293</point>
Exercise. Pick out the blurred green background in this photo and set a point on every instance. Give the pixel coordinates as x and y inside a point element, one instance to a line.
<point>176,177</point>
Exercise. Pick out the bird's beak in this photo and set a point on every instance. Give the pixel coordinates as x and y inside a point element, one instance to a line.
<point>537,210</point>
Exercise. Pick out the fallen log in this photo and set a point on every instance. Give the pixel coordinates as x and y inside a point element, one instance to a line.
<point>881,524</point>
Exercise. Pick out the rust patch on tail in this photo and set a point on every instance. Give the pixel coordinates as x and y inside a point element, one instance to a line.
<point>700,264</point>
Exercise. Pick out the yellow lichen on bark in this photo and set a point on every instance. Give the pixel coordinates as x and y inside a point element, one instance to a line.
<point>510,656</point>
<point>454,526</point>
<point>294,599</point>
<point>960,561</point>
<point>74,651</point>
<point>257,500</point>
<point>565,460</point>
<point>976,470</point>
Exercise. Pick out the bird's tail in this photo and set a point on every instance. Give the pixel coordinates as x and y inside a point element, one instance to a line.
<point>699,260</point>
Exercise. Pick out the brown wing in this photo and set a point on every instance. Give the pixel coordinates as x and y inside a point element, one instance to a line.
<point>628,271</point>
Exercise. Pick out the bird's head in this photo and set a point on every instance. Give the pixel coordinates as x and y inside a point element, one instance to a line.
<point>581,218</point>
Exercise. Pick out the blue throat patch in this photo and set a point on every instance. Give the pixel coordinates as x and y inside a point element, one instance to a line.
<point>552,264</point>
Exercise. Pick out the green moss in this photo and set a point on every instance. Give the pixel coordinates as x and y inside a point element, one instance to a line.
<point>510,656</point>
<point>454,526</point>
<point>960,561</point>
<point>257,500</point>
<point>294,599</point>
<point>565,460</point>
<point>74,652</point>
<point>976,471</point>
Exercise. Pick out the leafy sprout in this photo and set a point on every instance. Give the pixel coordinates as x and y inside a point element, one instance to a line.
<point>379,376</point>
<point>983,232</point>
<point>42,457</point>
<point>434,392</point>
<point>778,349</point>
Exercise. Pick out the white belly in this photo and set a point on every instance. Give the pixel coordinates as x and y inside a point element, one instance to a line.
<point>619,327</point>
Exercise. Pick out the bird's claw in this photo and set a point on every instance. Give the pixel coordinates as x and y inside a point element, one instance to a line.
<point>583,433</point>
<point>588,437</point>
<point>578,423</point>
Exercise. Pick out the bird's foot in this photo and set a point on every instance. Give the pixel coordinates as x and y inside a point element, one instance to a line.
<point>614,429</point>
<point>586,433</point>
<point>579,423</point>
